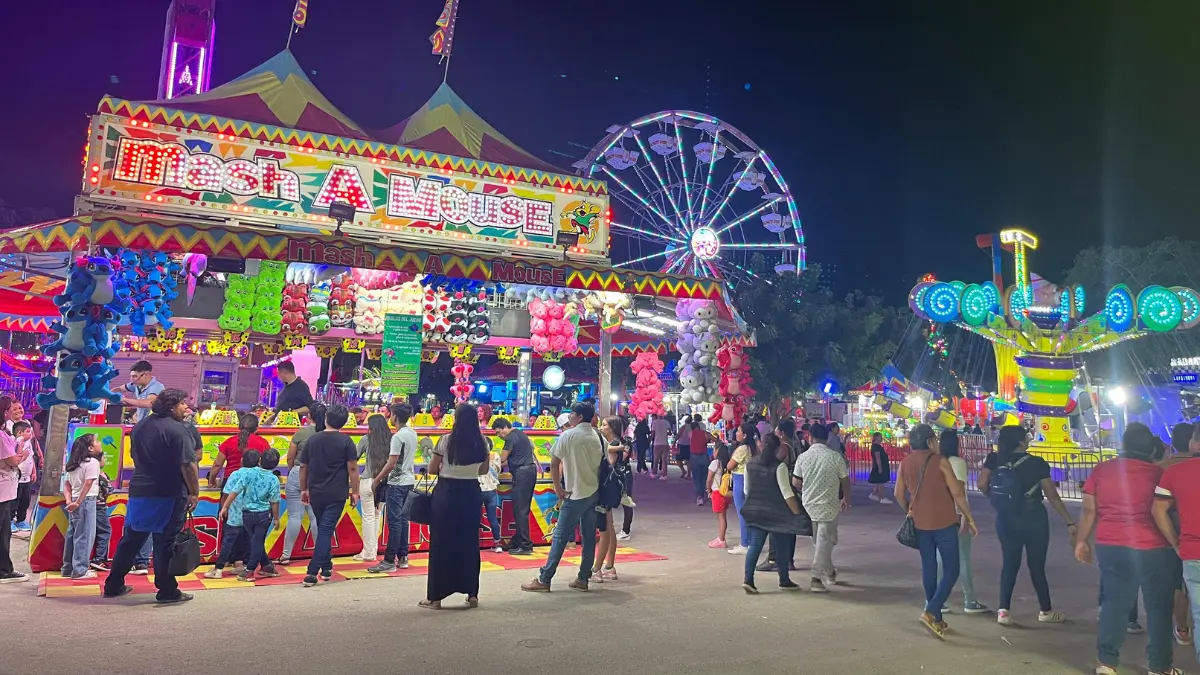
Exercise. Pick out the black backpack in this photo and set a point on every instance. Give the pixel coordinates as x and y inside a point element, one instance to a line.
<point>611,481</point>
<point>1004,489</point>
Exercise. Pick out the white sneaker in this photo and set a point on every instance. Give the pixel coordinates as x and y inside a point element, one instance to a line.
<point>214,573</point>
<point>699,501</point>
<point>873,497</point>
<point>497,549</point>
<point>622,536</point>
<point>885,500</point>
<point>737,550</point>
<point>86,575</point>
<point>1051,617</point>
<point>663,477</point>
<point>1003,618</point>
<point>626,500</point>
<point>653,475</point>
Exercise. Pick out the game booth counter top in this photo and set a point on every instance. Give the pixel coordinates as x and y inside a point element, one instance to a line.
<point>241,178</point>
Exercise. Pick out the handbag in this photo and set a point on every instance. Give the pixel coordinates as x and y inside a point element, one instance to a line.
<point>418,507</point>
<point>907,534</point>
<point>185,552</point>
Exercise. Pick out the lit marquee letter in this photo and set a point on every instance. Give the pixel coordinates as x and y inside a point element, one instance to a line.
<point>203,173</point>
<point>344,183</point>
<point>484,209</point>
<point>410,198</point>
<point>537,217</point>
<point>453,201</point>
<point>512,212</point>
<point>242,177</point>
<point>277,183</point>
<point>150,162</point>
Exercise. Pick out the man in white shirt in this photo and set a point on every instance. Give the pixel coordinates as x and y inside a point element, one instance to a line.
<point>819,475</point>
<point>575,469</point>
<point>661,442</point>
<point>400,480</point>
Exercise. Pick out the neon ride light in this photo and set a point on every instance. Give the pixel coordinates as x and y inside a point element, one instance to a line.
<point>705,244</point>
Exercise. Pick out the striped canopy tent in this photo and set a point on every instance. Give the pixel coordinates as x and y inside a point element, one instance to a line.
<point>276,93</point>
<point>25,304</point>
<point>448,126</point>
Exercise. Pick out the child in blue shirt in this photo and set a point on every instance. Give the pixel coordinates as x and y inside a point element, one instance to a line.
<point>235,543</point>
<point>258,488</point>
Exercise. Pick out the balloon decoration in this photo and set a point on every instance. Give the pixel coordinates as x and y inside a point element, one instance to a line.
<point>648,397</point>
<point>697,346</point>
<point>462,386</point>
<point>735,389</point>
<point>552,329</point>
<point>93,301</point>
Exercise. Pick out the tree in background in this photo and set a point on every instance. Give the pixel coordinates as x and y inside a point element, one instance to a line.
<point>808,335</point>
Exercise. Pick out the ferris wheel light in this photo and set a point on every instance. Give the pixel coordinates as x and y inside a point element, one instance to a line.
<point>705,243</point>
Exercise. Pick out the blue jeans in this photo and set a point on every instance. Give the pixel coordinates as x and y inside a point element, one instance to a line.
<point>1123,571</point>
<point>328,515</point>
<point>256,524</point>
<point>698,465</point>
<point>739,499</point>
<point>230,536</point>
<point>397,546</point>
<point>1191,579</point>
<point>934,544</point>
<point>295,514</point>
<point>574,512</point>
<point>491,506</point>
<point>143,554</point>
<point>81,533</point>
<point>785,550</point>
<point>103,533</point>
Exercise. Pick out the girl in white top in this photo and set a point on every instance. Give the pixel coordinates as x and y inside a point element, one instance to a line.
<point>720,502</point>
<point>81,488</point>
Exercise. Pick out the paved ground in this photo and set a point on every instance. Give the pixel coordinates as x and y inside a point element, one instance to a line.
<point>684,615</point>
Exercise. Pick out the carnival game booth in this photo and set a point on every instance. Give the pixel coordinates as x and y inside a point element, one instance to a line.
<point>241,179</point>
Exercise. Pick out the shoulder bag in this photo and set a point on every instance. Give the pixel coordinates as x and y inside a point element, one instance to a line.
<point>185,552</point>
<point>418,507</point>
<point>907,534</point>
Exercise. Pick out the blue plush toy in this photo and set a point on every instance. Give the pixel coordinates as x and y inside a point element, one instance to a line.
<point>99,375</point>
<point>73,328</point>
<point>80,285</point>
<point>68,386</point>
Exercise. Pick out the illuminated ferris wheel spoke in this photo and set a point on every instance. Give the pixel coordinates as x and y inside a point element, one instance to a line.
<point>683,168</point>
<point>648,234</point>
<point>654,167</point>
<point>712,160</point>
<point>729,194</point>
<point>644,258</point>
<point>641,199</point>
<point>749,245</point>
<point>741,219</point>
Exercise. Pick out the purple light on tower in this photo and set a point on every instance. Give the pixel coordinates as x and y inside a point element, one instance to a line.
<point>187,49</point>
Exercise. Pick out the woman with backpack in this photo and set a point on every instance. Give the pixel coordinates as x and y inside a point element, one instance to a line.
<point>772,507</point>
<point>1016,483</point>
<point>617,457</point>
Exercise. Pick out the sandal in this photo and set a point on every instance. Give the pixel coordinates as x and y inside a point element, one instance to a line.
<point>430,604</point>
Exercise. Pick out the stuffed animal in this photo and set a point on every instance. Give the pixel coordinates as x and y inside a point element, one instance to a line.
<point>68,386</point>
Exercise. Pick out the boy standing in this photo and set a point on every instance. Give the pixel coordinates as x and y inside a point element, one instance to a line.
<point>23,431</point>
<point>328,474</point>
<point>259,489</point>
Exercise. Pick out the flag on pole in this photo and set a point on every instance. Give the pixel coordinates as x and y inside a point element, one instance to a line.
<point>300,16</point>
<point>443,37</point>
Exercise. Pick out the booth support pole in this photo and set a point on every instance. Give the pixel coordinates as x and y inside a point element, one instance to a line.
<point>524,383</point>
<point>604,404</point>
<point>55,450</point>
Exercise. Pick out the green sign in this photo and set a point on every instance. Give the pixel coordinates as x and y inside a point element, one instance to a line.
<point>111,440</point>
<point>401,371</point>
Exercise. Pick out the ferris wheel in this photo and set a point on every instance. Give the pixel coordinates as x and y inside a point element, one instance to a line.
<point>695,196</point>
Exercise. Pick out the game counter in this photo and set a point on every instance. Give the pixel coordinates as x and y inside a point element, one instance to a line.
<point>50,517</point>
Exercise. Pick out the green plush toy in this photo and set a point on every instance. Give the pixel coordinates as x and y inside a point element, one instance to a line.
<point>239,303</point>
<point>266,324</point>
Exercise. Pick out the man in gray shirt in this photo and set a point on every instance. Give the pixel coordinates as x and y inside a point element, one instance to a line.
<point>145,390</point>
<point>400,481</point>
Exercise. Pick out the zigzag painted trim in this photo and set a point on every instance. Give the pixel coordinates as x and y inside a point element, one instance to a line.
<point>351,146</point>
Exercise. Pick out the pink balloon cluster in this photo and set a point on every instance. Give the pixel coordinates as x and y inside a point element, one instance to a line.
<point>735,389</point>
<point>462,386</point>
<point>549,330</point>
<point>648,397</point>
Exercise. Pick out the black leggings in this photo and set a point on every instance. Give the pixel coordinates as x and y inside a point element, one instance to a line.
<point>1029,533</point>
<point>21,508</point>
<point>628,510</point>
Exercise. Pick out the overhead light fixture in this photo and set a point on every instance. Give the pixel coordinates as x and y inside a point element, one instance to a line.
<point>641,327</point>
<point>664,320</point>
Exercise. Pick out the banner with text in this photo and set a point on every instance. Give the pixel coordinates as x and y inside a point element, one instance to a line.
<point>400,372</point>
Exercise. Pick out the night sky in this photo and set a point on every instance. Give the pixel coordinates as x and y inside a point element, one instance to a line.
<point>903,128</point>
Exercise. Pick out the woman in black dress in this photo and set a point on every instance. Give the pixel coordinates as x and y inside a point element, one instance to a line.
<point>881,469</point>
<point>458,461</point>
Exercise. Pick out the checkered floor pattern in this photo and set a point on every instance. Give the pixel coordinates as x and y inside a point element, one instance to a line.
<point>54,585</point>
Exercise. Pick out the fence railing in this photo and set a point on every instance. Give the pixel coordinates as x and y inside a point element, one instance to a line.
<point>1068,470</point>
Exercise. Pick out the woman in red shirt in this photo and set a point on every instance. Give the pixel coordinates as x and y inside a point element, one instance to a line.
<point>1133,554</point>
<point>229,453</point>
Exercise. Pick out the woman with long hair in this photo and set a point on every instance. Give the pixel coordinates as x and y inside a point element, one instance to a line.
<point>458,461</point>
<point>1021,519</point>
<point>948,446</point>
<point>9,461</point>
<point>747,447</point>
<point>81,487</point>
<point>1132,552</point>
<point>375,446</point>
<point>296,509</point>
<point>229,453</point>
<point>771,507</point>
<point>613,431</point>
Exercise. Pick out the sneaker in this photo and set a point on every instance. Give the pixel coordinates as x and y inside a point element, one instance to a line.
<point>497,549</point>
<point>310,580</point>
<point>1051,617</point>
<point>402,564</point>
<point>1134,628</point>
<point>239,569</point>
<point>214,573</point>
<point>663,477</point>
<point>817,586</point>
<point>181,597</point>
<point>22,526</point>
<point>766,567</point>
<point>65,572</point>
<point>359,557</point>
<point>749,588</point>
<point>99,565</point>
<point>525,551</point>
<point>885,500</point>
<point>124,590</point>
<point>873,497</point>
<point>285,561</point>
<point>268,573</point>
<point>596,577</point>
<point>699,501</point>
<point>536,586</point>
<point>245,577</point>
<point>140,570</point>
<point>789,586</point>
<point>609,573</point>
<point>86,575</point>
<point>737,550</point>
<point>1169,671</point>
<point>626,500</point>
<point>1102,669</point>
<point>1183,636</point>
<point>1003,618</point>
<point>576,584</point>
<point>623,536</point>
<point>382,568</point>
<point>717,543</point>
<point>935,627</point>
<point>974,608</point>
<point>326,575</point>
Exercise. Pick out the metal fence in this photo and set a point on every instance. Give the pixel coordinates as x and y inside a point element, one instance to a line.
<point>1068,470</point>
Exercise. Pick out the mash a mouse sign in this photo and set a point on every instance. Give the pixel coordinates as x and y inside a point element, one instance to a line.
<point>172,169</point>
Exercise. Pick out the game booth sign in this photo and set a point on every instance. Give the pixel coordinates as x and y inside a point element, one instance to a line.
<point>247,172</point>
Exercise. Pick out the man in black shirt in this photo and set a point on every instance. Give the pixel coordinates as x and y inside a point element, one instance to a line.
<point>296,396</point>
<point>328,474</point>
<point>163,489</point>
<point>518,454</point>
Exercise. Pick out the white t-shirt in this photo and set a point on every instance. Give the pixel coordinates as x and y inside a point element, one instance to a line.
<point>580,451</point>
<point>782,478</point>
<point>716,469</point>
<point>662,431</point>
<point>27,466</point>
<point>404,442</point>
<point>822,469</point>
<point>456,471</point>
<point>489,481</point>
<point>89,469</point>
<point>959,465</point>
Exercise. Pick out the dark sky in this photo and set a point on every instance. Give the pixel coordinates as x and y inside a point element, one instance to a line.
<point>903,128</point>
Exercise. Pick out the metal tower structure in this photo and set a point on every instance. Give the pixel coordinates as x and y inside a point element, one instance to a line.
<point>187,48</point>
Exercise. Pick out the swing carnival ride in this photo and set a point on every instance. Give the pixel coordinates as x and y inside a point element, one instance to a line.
<point>700,196</point>
<point>1039,330</point>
